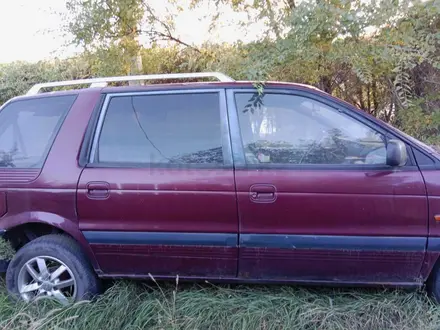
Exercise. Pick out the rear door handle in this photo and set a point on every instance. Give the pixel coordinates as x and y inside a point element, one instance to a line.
<point>98,190</point>
<point>263,193</point>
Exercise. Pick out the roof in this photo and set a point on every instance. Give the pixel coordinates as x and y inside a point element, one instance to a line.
<point>173,86</point>
<point>205,85</point>
<point>224,81</point>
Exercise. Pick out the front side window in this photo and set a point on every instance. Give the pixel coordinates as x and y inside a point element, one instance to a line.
<point>162,129</point>
<point>28,129</point>
<point>290,129</point>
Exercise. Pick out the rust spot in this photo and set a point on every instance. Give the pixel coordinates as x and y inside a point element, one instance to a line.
<point>437,217</point>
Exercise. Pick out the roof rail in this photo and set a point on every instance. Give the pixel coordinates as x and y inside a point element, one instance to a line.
<point>102,82</point>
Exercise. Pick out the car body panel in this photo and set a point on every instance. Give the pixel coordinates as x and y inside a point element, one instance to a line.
<point>431,176</point>
<point>162,198</point>
<point>358,203</point>
<point>326,225</point>
<point>432,180</point>
<point>48,195</point>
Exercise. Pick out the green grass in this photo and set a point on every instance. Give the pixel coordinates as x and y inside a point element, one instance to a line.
<point>135,305</point>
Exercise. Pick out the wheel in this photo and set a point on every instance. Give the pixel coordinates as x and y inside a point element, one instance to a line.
<point>51,266</point>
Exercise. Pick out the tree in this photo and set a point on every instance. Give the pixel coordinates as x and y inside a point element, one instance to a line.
<point>381,55</point>
<point>100,25</point>
<point>97,24</point>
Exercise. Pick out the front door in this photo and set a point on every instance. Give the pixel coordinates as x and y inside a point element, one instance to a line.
<point>317,201</point>
<point>158,195</point>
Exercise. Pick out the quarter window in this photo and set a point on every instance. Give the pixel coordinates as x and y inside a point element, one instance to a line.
<point>289,129</point>
<point>28,129</point>
<point>162,129</point>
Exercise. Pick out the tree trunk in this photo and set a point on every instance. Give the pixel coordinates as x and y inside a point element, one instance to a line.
<point>361,96</point>
<point>375,100</point>
<point>135,69</point>
<point>369,98</point>
<point>325,84</point>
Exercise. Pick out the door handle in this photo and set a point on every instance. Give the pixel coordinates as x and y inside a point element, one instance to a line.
<point>98,190</point>
<point>263,193</point>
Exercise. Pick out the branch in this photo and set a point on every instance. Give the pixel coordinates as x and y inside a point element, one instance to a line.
<point>393,91</point>
<point>432,82</point>
<point>291,4</point>
<point>272,19</point>
<point>109,6</point>
<point>155,18</point>
<point>168,35</point>
<point>177,40</point>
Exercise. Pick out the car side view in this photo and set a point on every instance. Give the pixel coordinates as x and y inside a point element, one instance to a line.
<point>210,181</point>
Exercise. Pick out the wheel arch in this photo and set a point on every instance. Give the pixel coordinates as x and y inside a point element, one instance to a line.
<point>26,227</point>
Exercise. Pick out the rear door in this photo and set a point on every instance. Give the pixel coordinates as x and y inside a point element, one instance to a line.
<point>158,194</point>
<point>317,201</point>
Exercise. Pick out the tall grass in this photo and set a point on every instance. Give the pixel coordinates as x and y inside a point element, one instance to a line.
<point>134,305</point>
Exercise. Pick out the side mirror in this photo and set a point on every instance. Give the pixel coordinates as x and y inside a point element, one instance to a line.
<point>396,153</point>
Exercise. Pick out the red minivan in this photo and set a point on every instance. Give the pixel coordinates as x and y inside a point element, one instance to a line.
<point>210,181</point>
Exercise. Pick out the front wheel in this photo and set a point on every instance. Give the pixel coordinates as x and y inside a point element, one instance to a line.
<point>51,266</point>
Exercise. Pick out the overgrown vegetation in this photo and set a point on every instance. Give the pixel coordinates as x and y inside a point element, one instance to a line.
<point>7,252</point>
<point>381,55</point>
<point>130,305</point>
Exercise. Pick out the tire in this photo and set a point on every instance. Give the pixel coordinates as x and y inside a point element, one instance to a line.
<point>433,284</point>
<point>61,256</point>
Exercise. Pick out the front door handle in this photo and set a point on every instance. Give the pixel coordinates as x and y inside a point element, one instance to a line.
<point>263,193</point>
<point>98,190</point>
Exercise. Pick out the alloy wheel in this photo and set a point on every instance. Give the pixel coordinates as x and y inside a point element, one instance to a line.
<point>46,277</point>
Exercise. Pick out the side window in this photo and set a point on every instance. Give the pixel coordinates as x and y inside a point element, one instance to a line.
<point>28,129</point>
<point>289,129</point>
<point>162,129</point>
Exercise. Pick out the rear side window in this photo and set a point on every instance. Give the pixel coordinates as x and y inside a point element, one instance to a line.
<point>162,129</point>
<point>28,129</point>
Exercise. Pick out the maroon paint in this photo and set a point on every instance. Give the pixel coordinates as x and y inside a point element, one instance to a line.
<point>12,176</point>
<point>432,180</point>
<point>307,202</point>
<point>335,202</point>
<point>173,200</point>
<point>160,200</point>
<point>3,205</point>
<point>49,196</point>
<point>165,260</point>
<point>336,266</point>
<point>324,202</point>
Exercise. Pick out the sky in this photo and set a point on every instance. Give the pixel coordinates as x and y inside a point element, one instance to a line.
<point>30,30</point>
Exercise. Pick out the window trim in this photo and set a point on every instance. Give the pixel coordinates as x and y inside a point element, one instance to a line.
<point>238,148</point>
<point>224,129</point>
<point>54,134</point>
<point>86,145</point>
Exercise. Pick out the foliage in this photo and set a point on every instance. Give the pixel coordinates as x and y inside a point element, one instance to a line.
<point>7,252</point>
<point>129,305</point>
<point>104,24</point>
<point>99,22</point>
<point>419,123</point>
<point>18,77</point>
<point>116,26</point>
<point>382,56</point>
